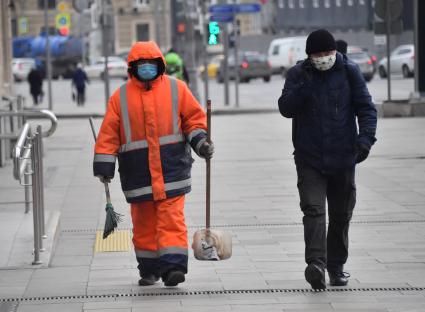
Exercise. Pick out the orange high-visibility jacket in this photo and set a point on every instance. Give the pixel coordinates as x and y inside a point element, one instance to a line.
<point>150,132</point>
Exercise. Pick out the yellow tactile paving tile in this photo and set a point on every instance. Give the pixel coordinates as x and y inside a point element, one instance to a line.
<point>117,241</point>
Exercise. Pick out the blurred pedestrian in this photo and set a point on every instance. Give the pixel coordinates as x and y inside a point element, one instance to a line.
<point>324,95</point>
<point>150,124</point>
<point>175,66</point>
<point>35,80</point>
<point>79,80</point>
<point>341,46</point>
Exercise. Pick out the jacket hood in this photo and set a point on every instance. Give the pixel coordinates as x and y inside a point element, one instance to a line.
<point>147,50</point>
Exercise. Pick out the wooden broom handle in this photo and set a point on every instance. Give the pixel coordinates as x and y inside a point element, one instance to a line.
<point>107,193</point>
<point>208,194</point>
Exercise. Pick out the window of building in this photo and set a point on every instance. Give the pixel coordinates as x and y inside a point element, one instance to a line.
<point>316,4</point>
<point>281,4</point>
<point>291,4</point>
<point>338,3</point>
<point>142,32</point>
<point>362,2</point>
<point>51,4</point>
<point>301,4</point>
<point>141,3</point>
<point>327,4</point>
<point>350,2</point>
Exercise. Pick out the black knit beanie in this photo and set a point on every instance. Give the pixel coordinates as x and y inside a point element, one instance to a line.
<point>320,41</point>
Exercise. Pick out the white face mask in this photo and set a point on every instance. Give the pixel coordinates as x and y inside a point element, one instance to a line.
<point>323,62</point>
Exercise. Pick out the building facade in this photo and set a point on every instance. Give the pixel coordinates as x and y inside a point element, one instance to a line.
<point>5,50</point>
<point>142,20</point>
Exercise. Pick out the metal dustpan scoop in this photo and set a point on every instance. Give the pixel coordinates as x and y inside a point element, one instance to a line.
<point>210,244</point>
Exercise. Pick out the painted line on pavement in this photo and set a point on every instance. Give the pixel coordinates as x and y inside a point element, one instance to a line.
<point>260,225</point>
<point>176,292</point>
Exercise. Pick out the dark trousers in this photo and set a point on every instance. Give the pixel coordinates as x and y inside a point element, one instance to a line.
<point>339,189</point>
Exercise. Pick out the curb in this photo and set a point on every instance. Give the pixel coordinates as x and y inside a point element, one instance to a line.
<point>402,108</point>
<point>391,109</point>
<point>224,111</point>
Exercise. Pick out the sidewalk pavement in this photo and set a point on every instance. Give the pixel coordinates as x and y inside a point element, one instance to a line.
<point>254,196</point>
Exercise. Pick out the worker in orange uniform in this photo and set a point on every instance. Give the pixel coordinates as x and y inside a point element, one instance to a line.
<point>150,124</point>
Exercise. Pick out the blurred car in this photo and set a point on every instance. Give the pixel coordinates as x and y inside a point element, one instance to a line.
<point>250,65</point>
<point>363,60</point>
<point>124,55</point>
<point>212,67</point>
<point>402,61</point>
<point>21,68</point>
<point>117,68</point>
<point>283,53</point>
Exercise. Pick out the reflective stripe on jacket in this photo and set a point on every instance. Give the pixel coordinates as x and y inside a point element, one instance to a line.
<point>149,131</point>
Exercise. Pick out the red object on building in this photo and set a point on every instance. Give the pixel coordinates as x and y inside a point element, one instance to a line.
<point>181,27</point>
<point>64,31</point>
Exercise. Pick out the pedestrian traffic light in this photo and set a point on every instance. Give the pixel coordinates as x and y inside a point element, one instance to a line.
<point>213,32</point>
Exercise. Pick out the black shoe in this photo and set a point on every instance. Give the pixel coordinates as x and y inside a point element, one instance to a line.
<point>148,280</point>
<point>315,275</point>
<point>173,278</point>
<point>338,278</point>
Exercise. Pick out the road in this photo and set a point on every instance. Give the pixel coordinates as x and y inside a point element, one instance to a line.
<point>254,94</point>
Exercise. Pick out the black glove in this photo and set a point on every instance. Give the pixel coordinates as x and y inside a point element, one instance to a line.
<point>306,82</point>
<point>206,150</point>
<point>361,153</point>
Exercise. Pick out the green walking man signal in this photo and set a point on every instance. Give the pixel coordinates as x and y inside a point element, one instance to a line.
<point>214,31</point>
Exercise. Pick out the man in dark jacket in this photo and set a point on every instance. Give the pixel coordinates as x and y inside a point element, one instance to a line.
<point>323,95</point>
<point>35,80</point>
<point>79,80</point>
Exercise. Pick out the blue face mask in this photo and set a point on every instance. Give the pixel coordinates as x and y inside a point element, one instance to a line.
<point>147,71</point>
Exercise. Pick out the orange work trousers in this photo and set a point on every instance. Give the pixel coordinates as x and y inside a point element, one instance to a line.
<point>160,236</point>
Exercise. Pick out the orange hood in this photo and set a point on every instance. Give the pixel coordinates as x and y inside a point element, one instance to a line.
<point>147,50</point>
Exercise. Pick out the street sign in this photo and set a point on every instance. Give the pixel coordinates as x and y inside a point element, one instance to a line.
<point>221,9</point>
<point>222,18</point>
<point>380,40</point>
<point>247,8</point>
<point>63,20</point>
<point>235,8</point>
<point>22,25</point>
<point>63,6</point>
<point>395,8</point>
<point>396,27</point>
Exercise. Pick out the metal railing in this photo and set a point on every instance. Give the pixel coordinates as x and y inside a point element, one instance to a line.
<point>9,124</point>
<point>28,168</point>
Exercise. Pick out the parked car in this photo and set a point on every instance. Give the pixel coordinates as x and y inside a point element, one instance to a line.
<point>124,55</point>
<point>212,67</point>
<point>363,60</point>
<point>21,68</point>
<point>117,68</point>
<point>286,52</point>
<point>402,61</point>
<point>250,65</point>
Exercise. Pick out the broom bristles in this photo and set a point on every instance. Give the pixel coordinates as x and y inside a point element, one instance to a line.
<point>112,220</point>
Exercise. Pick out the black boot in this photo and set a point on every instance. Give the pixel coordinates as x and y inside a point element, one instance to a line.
<point>315,275</point>
<point>148,280</point>
<point>173,278</point>
<point>338,278</point>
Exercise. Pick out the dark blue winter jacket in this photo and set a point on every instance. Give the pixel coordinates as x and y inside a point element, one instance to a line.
<point>324,106</point>
<point>79,79</point>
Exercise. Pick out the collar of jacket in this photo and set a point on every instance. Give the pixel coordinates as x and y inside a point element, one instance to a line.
<point>142,85</point>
